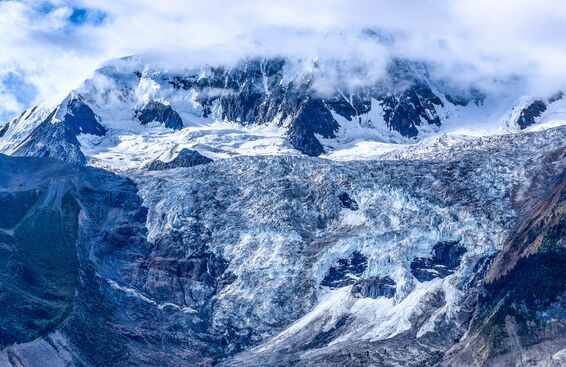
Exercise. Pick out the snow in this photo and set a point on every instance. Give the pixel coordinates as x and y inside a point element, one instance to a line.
<point>128,145</point>
<point>274,215</point>
<point>135,293</point>
<point>330,306</point>
<point>560,356</point>
<point>452,296</point>
<point>115,93</point>
<point>366,137</point>
<point>351,218</point>
<point>135,147</point>
<point>20,128</point>
<point>379,319</point>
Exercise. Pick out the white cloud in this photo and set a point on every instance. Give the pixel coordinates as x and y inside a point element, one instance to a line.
<point>9,102</point>
<point>469,41</point>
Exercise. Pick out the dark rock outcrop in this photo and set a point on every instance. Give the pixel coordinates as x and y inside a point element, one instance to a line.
<point>530,114</point>
<point>185,158</point>
<point>256,92</point>
<point>159,112</point>
<point>346,272</point>
<point>374,288</point>
<point>444,260</point>
<point>405,111</point>
<point>313,118</point>
<point>347,201</point>
<point>3,130</point>
<point>80,119</point>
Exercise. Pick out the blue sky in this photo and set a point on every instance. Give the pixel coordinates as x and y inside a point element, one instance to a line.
<point>36,34</point>
<point>51,46</point>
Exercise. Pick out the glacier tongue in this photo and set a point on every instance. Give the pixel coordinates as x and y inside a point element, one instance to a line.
<point>280,224</point>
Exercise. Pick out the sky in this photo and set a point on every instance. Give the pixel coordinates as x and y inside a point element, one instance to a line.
<point>49,47</point>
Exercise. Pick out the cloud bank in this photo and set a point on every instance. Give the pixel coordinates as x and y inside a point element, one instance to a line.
<point>49,47</point>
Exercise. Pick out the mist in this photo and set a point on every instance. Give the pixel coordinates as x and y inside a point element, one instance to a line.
<point>51,46</point>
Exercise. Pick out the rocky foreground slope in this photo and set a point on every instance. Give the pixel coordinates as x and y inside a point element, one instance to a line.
<point>449,253</point>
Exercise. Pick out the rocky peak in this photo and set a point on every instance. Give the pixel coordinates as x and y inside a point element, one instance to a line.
<point>155,111</point>
<point>56,135</point>
<point>185,158</point>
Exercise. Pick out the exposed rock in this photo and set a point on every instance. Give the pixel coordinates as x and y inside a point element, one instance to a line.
<point>221,264</point>
<point>530,114</point>
<point>348,202</point>
<point>374,288</point>
<point>323,338</point>
<point>185,158</point>
<point>406,111</point>
<point>256,92</point>
<point>444,260</point>
<point>80,119</point>
<point>3,129</point>
<point>158,112</point>
<point>520,318</point>
<point>312,118</point>
<point>556,97</point>
<point>346,272</point>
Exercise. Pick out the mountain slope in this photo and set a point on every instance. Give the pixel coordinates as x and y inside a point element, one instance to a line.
<point>520,317</point>
<point>279,260</point>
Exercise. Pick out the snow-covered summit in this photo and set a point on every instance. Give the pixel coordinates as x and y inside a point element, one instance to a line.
<point>132,112</point>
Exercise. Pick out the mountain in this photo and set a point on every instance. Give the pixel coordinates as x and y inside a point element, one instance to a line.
<point>129,113</point>
<point>40,133</point>
<point>240,216</point>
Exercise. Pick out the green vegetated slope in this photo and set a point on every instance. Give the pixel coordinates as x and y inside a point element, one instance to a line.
<point>39,267</point>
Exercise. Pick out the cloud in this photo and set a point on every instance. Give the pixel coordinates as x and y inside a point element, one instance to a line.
<point>42,50</point>
<point>53,45</point>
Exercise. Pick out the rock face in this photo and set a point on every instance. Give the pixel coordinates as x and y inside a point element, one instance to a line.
<point>446,252</point>
<point>252,95</point>
<point>158,112</point>
<point>258,91</point>
<point>530,114</point>
<point>348,202</point>
<point>185,158</point>
<point>346,272</point>
<point>255,92</point>
<point>375,288</point>
<point>444,260</point>
<point>3,130</point>
<point>252,92</point>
